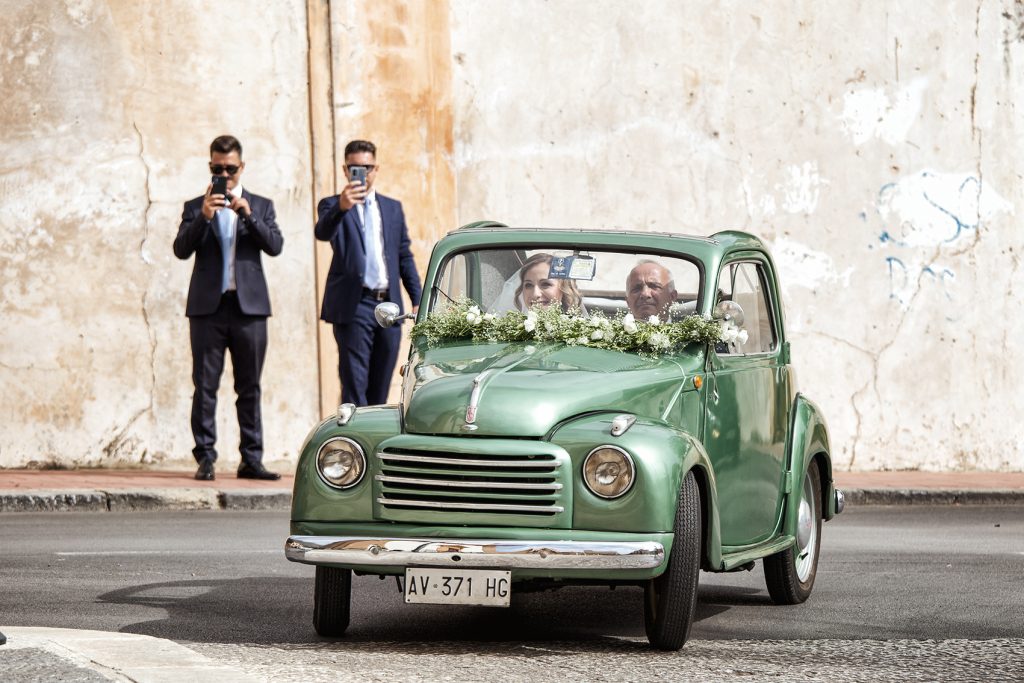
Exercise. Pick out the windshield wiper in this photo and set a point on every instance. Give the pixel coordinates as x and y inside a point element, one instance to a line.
<point>440,291</point>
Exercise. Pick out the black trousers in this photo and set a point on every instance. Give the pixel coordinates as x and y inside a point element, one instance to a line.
<point>245,337</point>
<point>367,355</point>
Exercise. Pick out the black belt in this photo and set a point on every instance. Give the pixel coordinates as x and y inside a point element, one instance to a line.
<point>375,294</point>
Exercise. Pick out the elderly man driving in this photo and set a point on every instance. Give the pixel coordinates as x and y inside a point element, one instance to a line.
<point>650,291</point>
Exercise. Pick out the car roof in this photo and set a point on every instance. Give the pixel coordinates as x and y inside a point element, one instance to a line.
<point>491,232</point>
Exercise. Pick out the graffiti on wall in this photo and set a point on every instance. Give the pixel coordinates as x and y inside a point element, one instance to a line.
<point>923,217</point>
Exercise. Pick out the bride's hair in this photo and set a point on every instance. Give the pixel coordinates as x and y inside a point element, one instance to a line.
<point>570,292</point>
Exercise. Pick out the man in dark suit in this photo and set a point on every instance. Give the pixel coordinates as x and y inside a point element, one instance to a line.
<point>370,241</point>
<point>228,304</point>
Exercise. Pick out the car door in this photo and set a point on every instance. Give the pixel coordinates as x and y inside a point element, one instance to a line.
<point>747,407</point>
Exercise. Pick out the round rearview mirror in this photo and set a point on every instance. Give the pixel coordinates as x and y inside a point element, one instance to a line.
<point>730,311</point>
<point>386,313</point>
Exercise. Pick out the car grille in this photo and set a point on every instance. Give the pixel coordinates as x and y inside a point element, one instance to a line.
<point>479,483</point>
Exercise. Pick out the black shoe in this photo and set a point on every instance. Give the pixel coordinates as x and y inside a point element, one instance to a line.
<point>205,471</point>
<point>256,471</point>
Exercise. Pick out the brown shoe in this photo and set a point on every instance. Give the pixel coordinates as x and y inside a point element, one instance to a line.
<point>256,471</point>
<point>205,471</point>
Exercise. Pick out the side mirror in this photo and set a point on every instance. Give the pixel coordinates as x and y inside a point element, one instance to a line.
<point>725,310</point>
<point>387,314</point>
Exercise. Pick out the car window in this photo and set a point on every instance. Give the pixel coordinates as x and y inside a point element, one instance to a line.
<point>743,283</point>
<point>502,280</point>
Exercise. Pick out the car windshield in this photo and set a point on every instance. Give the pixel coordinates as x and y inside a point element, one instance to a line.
<point>584,281</point>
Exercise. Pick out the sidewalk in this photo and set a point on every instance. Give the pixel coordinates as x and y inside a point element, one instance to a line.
<point>134,490</point>
<point>57,654</point>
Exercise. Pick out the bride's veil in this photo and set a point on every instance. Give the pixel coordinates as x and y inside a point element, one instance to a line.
<point>506,300</point>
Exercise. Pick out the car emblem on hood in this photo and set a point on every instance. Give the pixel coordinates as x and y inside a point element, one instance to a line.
<point>474,400</point>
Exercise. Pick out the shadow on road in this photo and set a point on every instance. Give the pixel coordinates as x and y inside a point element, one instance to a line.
<point>279,610</point>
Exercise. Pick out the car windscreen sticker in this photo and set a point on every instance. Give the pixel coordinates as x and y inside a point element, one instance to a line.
<point>572,268</point>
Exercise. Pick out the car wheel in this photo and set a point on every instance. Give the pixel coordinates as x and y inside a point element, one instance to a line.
<point>670,600</point>
<point>332,601</point>
<point>790,573</point>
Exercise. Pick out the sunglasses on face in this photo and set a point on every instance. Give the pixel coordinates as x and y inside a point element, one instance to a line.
<point>217,169</point>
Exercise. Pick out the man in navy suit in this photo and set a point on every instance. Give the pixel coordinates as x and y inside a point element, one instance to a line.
<point>370,241</point>
<point>228,304</point>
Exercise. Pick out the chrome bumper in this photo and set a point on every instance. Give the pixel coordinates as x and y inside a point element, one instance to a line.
<point>473,553</point>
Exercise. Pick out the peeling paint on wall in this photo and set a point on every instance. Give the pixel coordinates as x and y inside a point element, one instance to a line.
<point>872,114</point>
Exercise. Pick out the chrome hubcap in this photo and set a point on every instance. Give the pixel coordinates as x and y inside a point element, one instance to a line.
<point>807,533</point>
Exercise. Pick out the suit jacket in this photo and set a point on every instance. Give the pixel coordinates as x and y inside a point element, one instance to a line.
<point>344,231</point>
<point>256,234</point>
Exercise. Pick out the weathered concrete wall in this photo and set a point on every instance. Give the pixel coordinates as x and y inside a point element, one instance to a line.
<point>107,112</point>
<point>873,144</point>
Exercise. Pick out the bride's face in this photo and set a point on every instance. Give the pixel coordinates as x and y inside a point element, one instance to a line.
<point>538,288</point>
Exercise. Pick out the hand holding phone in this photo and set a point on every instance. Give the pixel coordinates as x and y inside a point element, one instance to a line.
<point>357,174</point>
<point>355,191</point>
<point>219,185</point>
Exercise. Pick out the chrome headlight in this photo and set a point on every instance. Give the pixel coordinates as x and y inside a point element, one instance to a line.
<point>608,471</point>
<point>341,463</point>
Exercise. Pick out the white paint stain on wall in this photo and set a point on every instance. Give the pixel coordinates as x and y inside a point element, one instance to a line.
<point>801,266</point>
<point>801,189</point>
<point>871,114</point>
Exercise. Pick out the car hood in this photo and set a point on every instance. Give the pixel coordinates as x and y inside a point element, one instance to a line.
<point>523,390</point>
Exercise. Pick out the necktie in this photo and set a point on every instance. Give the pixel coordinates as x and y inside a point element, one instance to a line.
<point>372,248</point>
<point>226,237</point>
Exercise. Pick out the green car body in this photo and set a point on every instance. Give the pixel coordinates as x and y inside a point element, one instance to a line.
<point>734,421</point>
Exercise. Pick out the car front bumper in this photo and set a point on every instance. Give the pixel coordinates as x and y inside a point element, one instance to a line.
<point>379,552</point>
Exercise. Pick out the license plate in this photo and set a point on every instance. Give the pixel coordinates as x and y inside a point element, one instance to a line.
<point>458,586</point>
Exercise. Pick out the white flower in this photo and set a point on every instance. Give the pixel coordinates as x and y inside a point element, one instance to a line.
<point>659,340</point>
<point>473,316</point>
<point>629,323</point>
<point>597,335</point>
<point>731,333</point>
<point>654,320</point>
<point>530,324</point>
<point>489,316</point>
<point>581,340</point>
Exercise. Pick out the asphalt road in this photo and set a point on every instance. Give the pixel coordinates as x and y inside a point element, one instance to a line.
<point>909,591</point>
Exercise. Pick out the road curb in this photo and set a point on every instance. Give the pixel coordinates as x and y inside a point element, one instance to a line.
<point>150,499</point>
<point>889,496</point>
<point>143,499</point>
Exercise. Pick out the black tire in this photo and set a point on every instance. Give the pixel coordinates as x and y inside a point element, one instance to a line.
<point>670,600</point>
<point>790,573</point>
<point>332,601</point>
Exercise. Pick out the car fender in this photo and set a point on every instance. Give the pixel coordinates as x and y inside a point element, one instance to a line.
<point>662,455</point>
<point>314,500</point>
<point>808,441</point>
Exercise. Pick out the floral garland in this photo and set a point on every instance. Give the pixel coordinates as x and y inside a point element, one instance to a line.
<point>464,320</point>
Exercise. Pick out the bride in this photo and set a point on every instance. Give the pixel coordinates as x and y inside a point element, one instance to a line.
<point>531,286</point>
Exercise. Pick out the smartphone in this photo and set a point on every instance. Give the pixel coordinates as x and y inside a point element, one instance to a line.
<point>357,174</point>
<point>220,185</point>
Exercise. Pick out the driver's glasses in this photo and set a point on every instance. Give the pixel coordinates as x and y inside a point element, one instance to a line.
<point>217,169</point>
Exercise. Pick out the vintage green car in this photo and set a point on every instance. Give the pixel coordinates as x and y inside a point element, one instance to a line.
<point>578,406</point>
